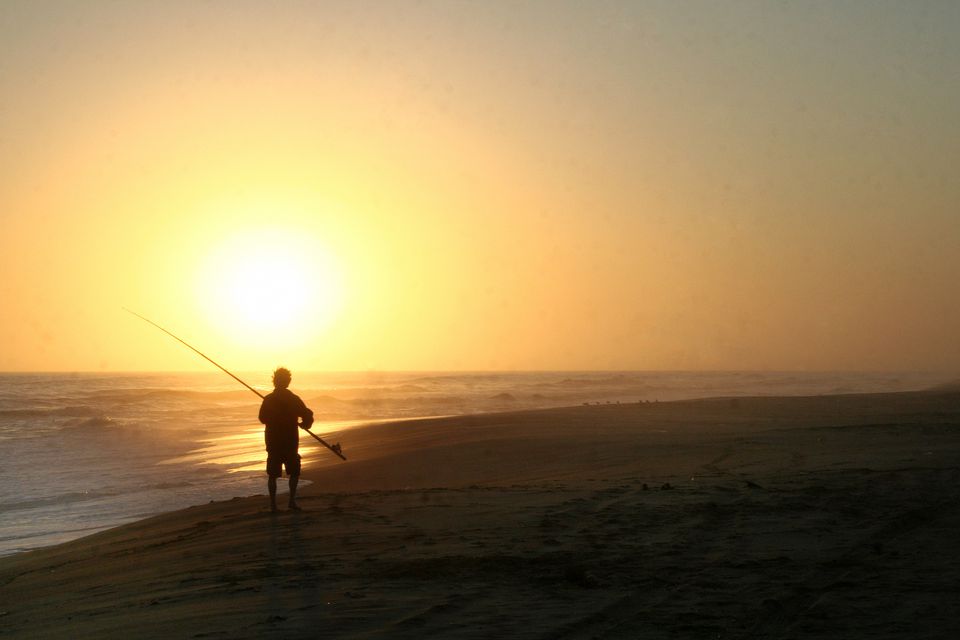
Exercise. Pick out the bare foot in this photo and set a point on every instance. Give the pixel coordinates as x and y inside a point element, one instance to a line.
<point>293,506</point>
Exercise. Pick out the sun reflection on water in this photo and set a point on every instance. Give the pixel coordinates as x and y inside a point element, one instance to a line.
<point>244,451</point>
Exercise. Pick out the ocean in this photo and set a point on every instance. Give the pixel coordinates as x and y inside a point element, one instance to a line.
<point>82,452</point>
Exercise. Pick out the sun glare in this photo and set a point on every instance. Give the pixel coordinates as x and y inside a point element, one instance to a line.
<point>271,284</point>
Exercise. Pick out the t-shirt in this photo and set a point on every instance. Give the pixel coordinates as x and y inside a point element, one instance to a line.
<point>279,411</point>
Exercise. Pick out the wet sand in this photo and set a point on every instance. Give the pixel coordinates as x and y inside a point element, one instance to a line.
<point>825,517</point>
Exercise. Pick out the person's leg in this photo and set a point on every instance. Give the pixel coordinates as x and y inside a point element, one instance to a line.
<point>272,486</point>
<point>294,480</point>
<point>273,470</point>
<point>293,471</point>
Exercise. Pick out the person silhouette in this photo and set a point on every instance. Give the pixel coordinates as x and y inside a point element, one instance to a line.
<point>282,412</point>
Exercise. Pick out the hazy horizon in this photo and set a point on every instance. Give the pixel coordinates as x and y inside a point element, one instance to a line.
<point>445,186</point>
<point>949,375</point>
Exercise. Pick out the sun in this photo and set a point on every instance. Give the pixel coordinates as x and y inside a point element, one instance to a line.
<point>271,284</point>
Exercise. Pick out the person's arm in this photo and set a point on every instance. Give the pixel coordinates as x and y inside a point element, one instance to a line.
<point>263,412</point>
<point>306,416</point>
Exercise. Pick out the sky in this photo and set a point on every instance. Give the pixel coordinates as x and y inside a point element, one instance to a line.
<point>480,185</point>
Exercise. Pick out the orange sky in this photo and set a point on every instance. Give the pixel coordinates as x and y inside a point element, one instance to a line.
<point>480,186</point>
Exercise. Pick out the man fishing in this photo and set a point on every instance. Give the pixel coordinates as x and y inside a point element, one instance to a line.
<point>280,412</point>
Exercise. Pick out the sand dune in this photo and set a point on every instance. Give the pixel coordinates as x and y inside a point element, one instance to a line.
<point>766,517</point>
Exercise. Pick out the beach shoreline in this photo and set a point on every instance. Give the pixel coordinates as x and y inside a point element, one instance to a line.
<point>737,517</point>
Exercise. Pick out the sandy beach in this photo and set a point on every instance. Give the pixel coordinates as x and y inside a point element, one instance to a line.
<point>829,517</point>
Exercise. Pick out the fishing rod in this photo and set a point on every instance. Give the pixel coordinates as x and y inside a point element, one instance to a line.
<point>335,448</point>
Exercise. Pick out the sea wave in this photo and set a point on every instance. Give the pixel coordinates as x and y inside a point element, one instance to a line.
<point>24,413</point>
<point>96,422</point>
<point>70,497</point>
<point>169,485</point>
<point>72,411</point>
<point>149,394</point>
<point>619,379</point>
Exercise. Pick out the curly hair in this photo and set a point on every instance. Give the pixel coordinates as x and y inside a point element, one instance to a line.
<point>281,378</point>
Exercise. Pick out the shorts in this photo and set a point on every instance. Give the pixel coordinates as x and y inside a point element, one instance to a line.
<point>289,460</point>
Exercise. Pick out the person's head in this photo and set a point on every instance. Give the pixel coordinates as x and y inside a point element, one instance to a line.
<point>281,378</point>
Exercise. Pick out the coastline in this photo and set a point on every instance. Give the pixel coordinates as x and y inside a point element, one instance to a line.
<point>797,515</point>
